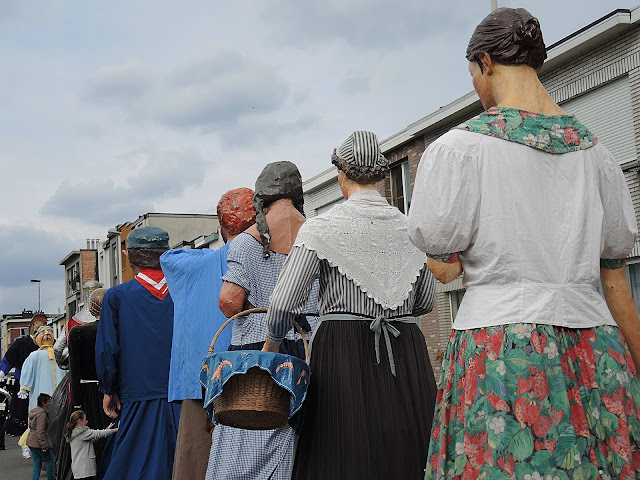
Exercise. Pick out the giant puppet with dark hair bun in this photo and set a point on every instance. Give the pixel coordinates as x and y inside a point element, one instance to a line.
<point>510,36</point>
<point>538,378</point>
<point>133,351</point>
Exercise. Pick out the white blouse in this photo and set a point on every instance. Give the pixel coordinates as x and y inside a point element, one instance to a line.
<point>531,227</point>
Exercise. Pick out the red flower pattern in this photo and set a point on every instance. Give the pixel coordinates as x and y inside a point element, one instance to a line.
<point>520,412</point>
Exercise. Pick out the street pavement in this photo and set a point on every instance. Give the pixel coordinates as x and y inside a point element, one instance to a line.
<point>12,465</point>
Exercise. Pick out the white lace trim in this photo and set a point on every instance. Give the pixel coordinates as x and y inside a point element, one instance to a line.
<point>366,239</point>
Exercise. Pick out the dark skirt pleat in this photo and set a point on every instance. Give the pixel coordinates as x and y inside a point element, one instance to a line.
<point>361,422</point>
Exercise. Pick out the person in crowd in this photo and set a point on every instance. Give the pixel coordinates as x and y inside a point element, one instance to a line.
<point>38,440</point>
<point>17,353</point>
<point>538,379</point>
<point>194,277</point>
<point>40,372</point>
<point>80,438</point>
<point>372,392</point>
<point>255,258</point>
<point>133,350</point>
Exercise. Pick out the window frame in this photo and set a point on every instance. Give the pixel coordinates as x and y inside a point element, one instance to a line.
<point>402,168</point>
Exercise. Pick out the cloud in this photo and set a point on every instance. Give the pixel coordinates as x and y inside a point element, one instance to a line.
<point>260,130</point>
<point>355,84</point>
<point>213,92</point>
<point>156,175</point>
<point>365,24</point>
<point>27,253</point>
<point>118,84</point>
<point>16,298</point>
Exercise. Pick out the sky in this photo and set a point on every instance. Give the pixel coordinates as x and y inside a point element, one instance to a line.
<point>109,110</point>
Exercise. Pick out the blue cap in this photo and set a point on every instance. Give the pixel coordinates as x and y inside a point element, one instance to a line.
<point>148,237</point>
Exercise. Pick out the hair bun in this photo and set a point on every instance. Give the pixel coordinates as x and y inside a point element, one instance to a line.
<point>526,33</point>
<point>511,36</point>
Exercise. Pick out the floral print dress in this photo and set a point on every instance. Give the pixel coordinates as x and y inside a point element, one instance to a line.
<point>531,401</point>
<point>539,402</point>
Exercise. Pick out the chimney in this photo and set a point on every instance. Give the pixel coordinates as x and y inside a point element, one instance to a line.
<point>88,244</point>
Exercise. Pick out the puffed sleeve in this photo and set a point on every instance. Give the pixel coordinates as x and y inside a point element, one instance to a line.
<point>619,224</point>
<point>27,374</point>
<point>5,366</point>
<point>292,290</point>
<point>443,214</point>
<point>238,262</point>
<point>107,345</point>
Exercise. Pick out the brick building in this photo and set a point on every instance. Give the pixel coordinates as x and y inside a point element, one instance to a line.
<point>15,325</point>
<point>593,73</point>
<point>186,230</point>
<point>81,266</point>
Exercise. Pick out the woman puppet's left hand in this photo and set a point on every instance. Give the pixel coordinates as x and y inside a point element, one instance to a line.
<point>271,345</point>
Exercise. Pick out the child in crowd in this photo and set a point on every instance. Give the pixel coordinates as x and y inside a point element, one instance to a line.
<point>81,438</point>
<point>38,440</point>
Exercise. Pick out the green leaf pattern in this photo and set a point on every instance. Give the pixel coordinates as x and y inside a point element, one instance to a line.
<point>549,133</point>
<point>536,402</point>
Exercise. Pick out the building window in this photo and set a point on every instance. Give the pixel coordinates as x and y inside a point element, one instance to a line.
<point>73,279</point>
<point>72,309</point>
<point>455,298</point>
<point>401,186</point>
<point>114,265</point>
<point>634,283</point>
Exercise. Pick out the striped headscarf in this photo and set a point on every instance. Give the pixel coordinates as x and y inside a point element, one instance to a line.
<point>360,158</point>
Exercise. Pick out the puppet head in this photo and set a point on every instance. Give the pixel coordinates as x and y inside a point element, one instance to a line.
<point>360,158</point>
<point>277,180</point>
<point>145,245</point>
<point>95,302</point>
<point>37,321</point>
<point>235,212</point>
<point>44,336</point>
<point>510,36</point>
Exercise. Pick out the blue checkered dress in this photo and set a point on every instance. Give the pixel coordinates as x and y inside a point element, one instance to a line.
<point>245,454</point>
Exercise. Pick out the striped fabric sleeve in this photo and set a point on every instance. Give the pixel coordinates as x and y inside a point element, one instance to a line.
<point>291,293</point>
<point>425,293</point>
<point>612,263</point>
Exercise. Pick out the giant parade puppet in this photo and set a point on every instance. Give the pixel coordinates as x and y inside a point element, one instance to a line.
<point>74,350</point>
<point>133,351</point>
<point>40,373</point>
<point>16,421</point>
<point>194,277</point>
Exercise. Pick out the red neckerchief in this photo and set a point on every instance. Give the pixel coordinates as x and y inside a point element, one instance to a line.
<point>153,280</point>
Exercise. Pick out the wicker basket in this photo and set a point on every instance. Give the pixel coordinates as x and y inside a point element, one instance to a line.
<point>253,401</point>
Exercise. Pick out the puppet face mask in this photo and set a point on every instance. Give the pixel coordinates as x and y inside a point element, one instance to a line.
<point>44,336</point>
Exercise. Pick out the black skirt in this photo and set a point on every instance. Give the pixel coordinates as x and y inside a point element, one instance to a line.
<point>361,422</point>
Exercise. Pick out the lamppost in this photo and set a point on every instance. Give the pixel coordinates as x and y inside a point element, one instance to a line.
<point>38,282</point>
<point>494,5</point>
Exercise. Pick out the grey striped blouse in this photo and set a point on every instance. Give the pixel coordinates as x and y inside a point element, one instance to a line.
<point>337,293</point>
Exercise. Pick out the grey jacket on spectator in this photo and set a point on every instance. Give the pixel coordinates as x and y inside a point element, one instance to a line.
<point>83,456</point>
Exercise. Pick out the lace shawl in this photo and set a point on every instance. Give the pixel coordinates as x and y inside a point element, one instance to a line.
<point>367,240</point>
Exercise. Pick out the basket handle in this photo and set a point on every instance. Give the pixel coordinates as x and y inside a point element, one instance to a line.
<point>258,310</point>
